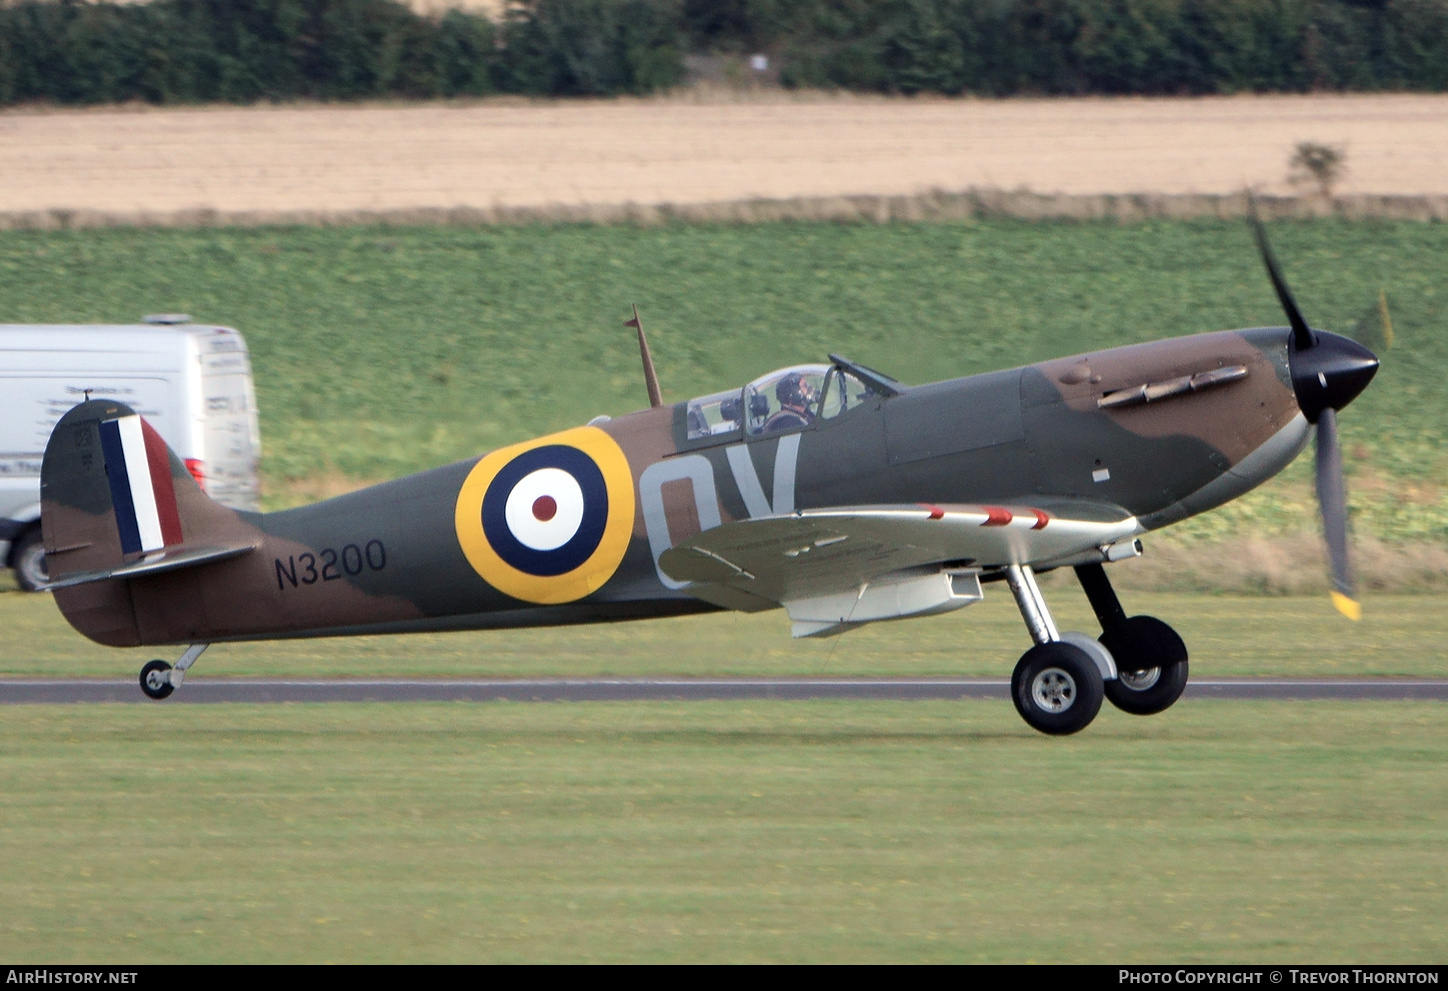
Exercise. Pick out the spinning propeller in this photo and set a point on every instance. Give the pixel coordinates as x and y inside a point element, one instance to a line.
<point>1328,372</point>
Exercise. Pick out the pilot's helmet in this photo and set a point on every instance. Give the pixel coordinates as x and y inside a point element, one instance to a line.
<point>794,390</point>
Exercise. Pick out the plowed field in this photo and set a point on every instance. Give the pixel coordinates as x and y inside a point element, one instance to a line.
<point>697,149</point>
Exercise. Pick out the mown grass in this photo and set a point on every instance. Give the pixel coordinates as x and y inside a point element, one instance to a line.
<point>820,831</point>
<point>1227,635</point>
<point>380,351</point>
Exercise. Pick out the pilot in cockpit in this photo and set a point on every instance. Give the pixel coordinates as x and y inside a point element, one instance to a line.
<point>796,398</point>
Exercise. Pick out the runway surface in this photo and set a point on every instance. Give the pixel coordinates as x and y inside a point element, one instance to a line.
<point>203,690</point>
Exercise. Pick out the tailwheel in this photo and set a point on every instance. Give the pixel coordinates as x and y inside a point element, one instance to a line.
<point>156,680</point>
<point>1057,688</point>
<point>1152,661</point>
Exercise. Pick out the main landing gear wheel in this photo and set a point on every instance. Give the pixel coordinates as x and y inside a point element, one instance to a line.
<point>1152,661</point>
<point>1057,688</point>
<point>156,680</point>
<point>1145,693</point>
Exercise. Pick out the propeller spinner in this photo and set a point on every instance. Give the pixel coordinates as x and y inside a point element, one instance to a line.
<point>1328,372</point>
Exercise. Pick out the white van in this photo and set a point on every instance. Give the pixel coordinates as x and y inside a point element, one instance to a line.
<point>192,382</point>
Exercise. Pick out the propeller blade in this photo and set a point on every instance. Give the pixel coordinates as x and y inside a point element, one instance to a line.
<point>1302,335</point>
<point>1332,498</point>
<point>1387,318</point>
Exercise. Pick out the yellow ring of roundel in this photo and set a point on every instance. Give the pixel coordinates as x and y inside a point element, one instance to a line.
<point>589,576</point>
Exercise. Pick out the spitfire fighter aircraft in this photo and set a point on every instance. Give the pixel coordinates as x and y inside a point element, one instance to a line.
<point>830,490</point>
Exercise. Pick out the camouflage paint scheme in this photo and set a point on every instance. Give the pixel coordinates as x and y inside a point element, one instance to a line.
<point>409,555</point>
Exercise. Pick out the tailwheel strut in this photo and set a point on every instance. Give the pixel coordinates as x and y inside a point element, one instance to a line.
<point>159,679</point>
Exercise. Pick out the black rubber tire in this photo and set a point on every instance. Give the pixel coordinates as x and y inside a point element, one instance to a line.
<point>1153,696</point>
<point>28,557</point>
<point>1065,673</point>
<point>157,692</point>
<point>1143,642</point>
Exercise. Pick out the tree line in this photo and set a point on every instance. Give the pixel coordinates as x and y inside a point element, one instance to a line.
<point>189,51</point>
<point>241,51</point>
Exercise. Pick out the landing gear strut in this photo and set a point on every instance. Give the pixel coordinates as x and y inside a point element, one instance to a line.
<point>1058,684</point>
<point>159,679</point>
<point>1150,656</point>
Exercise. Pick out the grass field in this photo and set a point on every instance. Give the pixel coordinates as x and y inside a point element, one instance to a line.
<point>1228,635</point>
<point>822,831</point>
<point>382,351</point>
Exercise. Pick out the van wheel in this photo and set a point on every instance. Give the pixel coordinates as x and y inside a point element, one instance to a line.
<point>29,561</point>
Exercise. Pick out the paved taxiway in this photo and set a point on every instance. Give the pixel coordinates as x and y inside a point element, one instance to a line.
<point>202,690</point>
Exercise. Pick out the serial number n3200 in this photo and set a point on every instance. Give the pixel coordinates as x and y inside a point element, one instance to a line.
<point>329,564</point>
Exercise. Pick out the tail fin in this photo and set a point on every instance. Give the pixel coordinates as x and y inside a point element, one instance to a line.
<point>116,502</point>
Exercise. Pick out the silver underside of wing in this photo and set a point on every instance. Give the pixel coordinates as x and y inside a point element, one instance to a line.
<point>835,569</point>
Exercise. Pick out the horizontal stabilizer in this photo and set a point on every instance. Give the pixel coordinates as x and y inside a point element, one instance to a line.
<point>154,564</point>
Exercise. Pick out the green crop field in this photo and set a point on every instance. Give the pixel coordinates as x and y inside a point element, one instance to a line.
<point>380,351</point>
<point>776,831</point>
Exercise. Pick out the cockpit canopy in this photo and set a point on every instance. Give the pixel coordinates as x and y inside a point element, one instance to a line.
<point>787,399</point>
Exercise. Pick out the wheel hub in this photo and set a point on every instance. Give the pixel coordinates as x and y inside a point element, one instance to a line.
<point>1053,690</point>
<point>1139,681</point>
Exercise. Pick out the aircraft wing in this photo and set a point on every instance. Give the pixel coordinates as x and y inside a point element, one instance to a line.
<point>818,555</point>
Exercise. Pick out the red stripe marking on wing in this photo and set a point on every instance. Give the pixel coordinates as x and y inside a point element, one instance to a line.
<point>158,460</point>
<point>1042,518</point>
<point>996,516</point>
<point>936,513</point>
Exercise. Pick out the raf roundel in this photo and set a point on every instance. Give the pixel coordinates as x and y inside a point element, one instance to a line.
<point>548,521</point>
<point>546,511</point>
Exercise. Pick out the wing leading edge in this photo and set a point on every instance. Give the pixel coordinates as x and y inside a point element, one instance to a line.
<point>833,569</point>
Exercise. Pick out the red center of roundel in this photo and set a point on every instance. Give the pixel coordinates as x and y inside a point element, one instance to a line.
<point>544,508</point>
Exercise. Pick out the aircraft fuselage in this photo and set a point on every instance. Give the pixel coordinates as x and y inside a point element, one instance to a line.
<point>1163,430</point>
